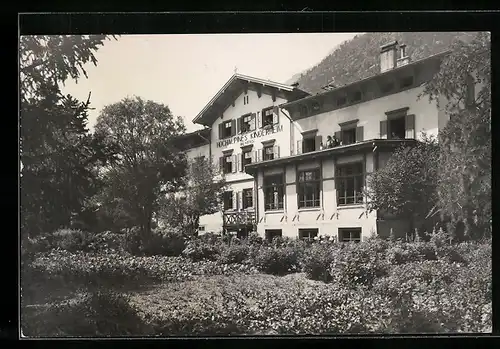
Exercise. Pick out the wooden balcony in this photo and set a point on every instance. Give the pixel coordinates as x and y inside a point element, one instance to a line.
<point>239,219</point>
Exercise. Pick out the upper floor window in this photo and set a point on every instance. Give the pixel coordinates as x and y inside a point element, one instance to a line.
<point>247,198</point>
<point>226,164</point>
<point>348,136</point>
<point>246,158</point>
<point>303,110</point>
<point>399,125</point>
<point>247,123</point>
<point>308,234</point>
<point>350,234</point>
<point>245,100</point>
<point>308,190</point>
<point>341,101</point>
<point>228,200</point>
<point>269,152</point>
<point>310,142</point>
<point>356,96</point>
<point>349,181</point>
<point>269,117</point>
<point>387,87</point>
<point>272,234</point>
<point>227,129</point>
<point>273,192</point>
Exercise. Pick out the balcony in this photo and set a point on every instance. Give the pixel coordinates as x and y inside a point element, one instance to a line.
<point>239,219</point>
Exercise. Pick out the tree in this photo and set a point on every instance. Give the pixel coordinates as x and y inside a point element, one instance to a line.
<point>202,194</point>
<point>59,157</point>
<point>148,165</point>
<point>464,185</point>
<point>406,185</point>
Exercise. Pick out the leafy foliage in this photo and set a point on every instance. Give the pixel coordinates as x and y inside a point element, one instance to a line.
<point>406,185</point>
<point>147,165</point>
<point>201,195</point>
<point>464,187</point>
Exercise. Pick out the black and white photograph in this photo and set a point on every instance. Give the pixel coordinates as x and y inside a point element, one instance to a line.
<point>255,184</point>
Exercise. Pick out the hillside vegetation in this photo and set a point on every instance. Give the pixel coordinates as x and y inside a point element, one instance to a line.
<point>358,58</point>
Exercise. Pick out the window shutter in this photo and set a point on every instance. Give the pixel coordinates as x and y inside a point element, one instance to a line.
<point>234,163</point>
<point>233,127</point>
<point>259,120</point>
<point>254,121</point>
<point>240,162</point>
<point>383,129</point>
<point>259,154</point>
<point>359,134</point>
<point>254,156</point>
<point>220,130</point>
<point>235,201</point>
<point>410,126</point>
<point>221,164</point>
<point>276,151</point>
<point>317,142</point>
<point>299,147</point>
<point>240,200</point>
<point>238,125</point>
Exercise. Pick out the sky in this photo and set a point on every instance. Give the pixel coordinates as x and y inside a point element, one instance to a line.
<point>186,71</point>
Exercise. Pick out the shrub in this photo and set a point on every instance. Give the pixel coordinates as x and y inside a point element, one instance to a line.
<point>157,244</point>
<point>317,261</point>
<point>198,250</point>
<point>357,264</point>
<point>278,260</point>
<point>93,314</point>
<point>235,253</point>
<point>71,240</point>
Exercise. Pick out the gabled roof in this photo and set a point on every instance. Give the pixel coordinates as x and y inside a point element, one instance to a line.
<point>234,86</point>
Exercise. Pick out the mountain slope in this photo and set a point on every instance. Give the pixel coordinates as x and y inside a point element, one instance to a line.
<point>358,58</point>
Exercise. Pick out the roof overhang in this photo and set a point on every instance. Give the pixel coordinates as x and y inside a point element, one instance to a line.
<point>199,137</point>
<point>233,87</point>
<point>396,70</point>
<point>380,144</point>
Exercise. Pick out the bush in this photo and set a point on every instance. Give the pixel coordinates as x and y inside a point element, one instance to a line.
<point>317,261</point>
<point>357,264</point>
<point>71,240</point>
<point>278,260</point>
<point>234,253</point>
<point>157,244</point>
<point>93,314</point>
<point>200,249</point>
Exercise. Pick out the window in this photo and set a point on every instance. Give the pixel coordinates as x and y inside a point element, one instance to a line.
<point>273,233</point>
<point>387,87</point>
<point>308,234</point>
<point>227,129</point>
<point>273,192</point>
<point>267,117</point>
<point>268,152</point>
<point>349,136</point>
<point>201,228</point>
<point>349,182</point>
<point>309,144</point>
<point>242,234</point>
<point>406,82</point>
<point>309,188</point>
<point>341,101</point>
<point>247,198</point>
<point>356,96</point>
<point>350,234</point>
<point>247,123</point>
<point>246,158</point>
<point>227,164</point>
<point>397,128</point>
<point>228,200</point>
<point>245,99</point>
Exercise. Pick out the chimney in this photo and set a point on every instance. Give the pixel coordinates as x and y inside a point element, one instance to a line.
<point>403,57</point>
<point>388,56</point>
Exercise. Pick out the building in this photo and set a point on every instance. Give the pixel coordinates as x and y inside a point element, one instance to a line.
<point>286,176</point>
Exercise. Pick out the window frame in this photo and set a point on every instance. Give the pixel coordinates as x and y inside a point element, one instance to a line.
<point>302,185</point>
<point>225,157</point>
<point>279,188</point>
<point>339,177</point>
<point>355,230</point>
<point>224,136</point>
<point>396,118</point>
<point>311,138</point>
<point>265,154</point>
<point>245,198</point>
<point>264,117</point>
<point>302,231</point>
<point>268,233</point>
<point>252,121</point>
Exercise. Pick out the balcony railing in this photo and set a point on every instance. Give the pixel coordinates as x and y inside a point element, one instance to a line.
<point>242,218</point>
